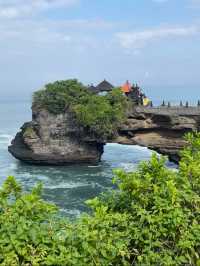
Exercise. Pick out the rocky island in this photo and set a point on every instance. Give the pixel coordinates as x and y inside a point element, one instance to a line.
<point>71,124</point>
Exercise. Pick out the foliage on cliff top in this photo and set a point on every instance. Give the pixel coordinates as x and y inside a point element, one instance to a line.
<point>153,219</point>
<point>99,114</point>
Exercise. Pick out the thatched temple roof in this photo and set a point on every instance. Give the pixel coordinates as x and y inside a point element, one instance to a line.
<point>101,87</point>
<point>104,86</point>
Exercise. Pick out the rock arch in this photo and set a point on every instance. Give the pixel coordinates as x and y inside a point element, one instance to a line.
<point>58,139</point>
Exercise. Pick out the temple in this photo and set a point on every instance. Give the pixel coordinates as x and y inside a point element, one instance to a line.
<point>102,88</point>
<point>132,91</point>
<point>126,88</point>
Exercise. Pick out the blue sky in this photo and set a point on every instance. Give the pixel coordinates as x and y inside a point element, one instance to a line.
<point>152,42</point>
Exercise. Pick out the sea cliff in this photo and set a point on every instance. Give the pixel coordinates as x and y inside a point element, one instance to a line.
<point>71,125</point>
<point>54,140</point>
<point>59,139</point>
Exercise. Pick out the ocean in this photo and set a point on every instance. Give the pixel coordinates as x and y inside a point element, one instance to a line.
<point>66,186</point>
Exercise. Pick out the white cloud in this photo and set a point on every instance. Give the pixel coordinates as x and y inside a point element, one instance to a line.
<point>20,8</point>
<point>138,39</point>
<point>55,35</point>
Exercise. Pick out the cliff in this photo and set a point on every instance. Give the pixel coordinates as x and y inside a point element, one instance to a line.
<point>54,140</point>
<point>161,129</point>
<point>59,139</point>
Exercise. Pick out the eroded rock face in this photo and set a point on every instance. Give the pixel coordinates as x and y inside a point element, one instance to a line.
<point>54,140</point>
<point>58,139</point>
<point>160,129</point>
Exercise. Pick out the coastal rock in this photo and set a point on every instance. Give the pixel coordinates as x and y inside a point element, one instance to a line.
<point>161,129</point>
<point>58,139</point>
<point>54,140</point>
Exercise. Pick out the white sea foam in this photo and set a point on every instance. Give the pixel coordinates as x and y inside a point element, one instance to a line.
<point>5,139</point>
<point>73,212</point>
<point>128,166</point>
<point>67,185</point>
<point>5,136</point>
<point>12,167</point>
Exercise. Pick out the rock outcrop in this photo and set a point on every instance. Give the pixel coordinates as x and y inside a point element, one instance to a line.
<point>54,140</point>
<point>161,129</point>
<point>58,139</point>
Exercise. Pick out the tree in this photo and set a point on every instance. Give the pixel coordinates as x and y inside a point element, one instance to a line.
<point>101,115</point>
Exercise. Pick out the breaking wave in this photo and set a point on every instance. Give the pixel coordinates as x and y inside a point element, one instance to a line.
<point>5,139</point>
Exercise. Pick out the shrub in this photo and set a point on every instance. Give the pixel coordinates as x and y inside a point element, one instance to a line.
<point>101,115</point>
<point>152,219</point>
<point>57,96</point>
<point>30,234</point>
<point>164,208</point>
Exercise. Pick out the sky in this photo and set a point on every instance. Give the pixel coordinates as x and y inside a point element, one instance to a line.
<point>155,43</point>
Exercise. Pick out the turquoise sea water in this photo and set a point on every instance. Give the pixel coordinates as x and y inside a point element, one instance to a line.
<point>69,186</point>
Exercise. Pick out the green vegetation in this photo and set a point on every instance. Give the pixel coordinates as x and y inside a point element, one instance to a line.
<point>152,219</point>
<point>99,114</point>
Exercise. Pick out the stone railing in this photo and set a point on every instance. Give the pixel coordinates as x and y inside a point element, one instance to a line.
<point>182,104</point>
<point>178,110</point>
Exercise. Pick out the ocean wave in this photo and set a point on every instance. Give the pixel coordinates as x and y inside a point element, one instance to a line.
<point>66,185</point>
<point>5,139</point>
<point>12,167</point>
<point>128,166</point>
